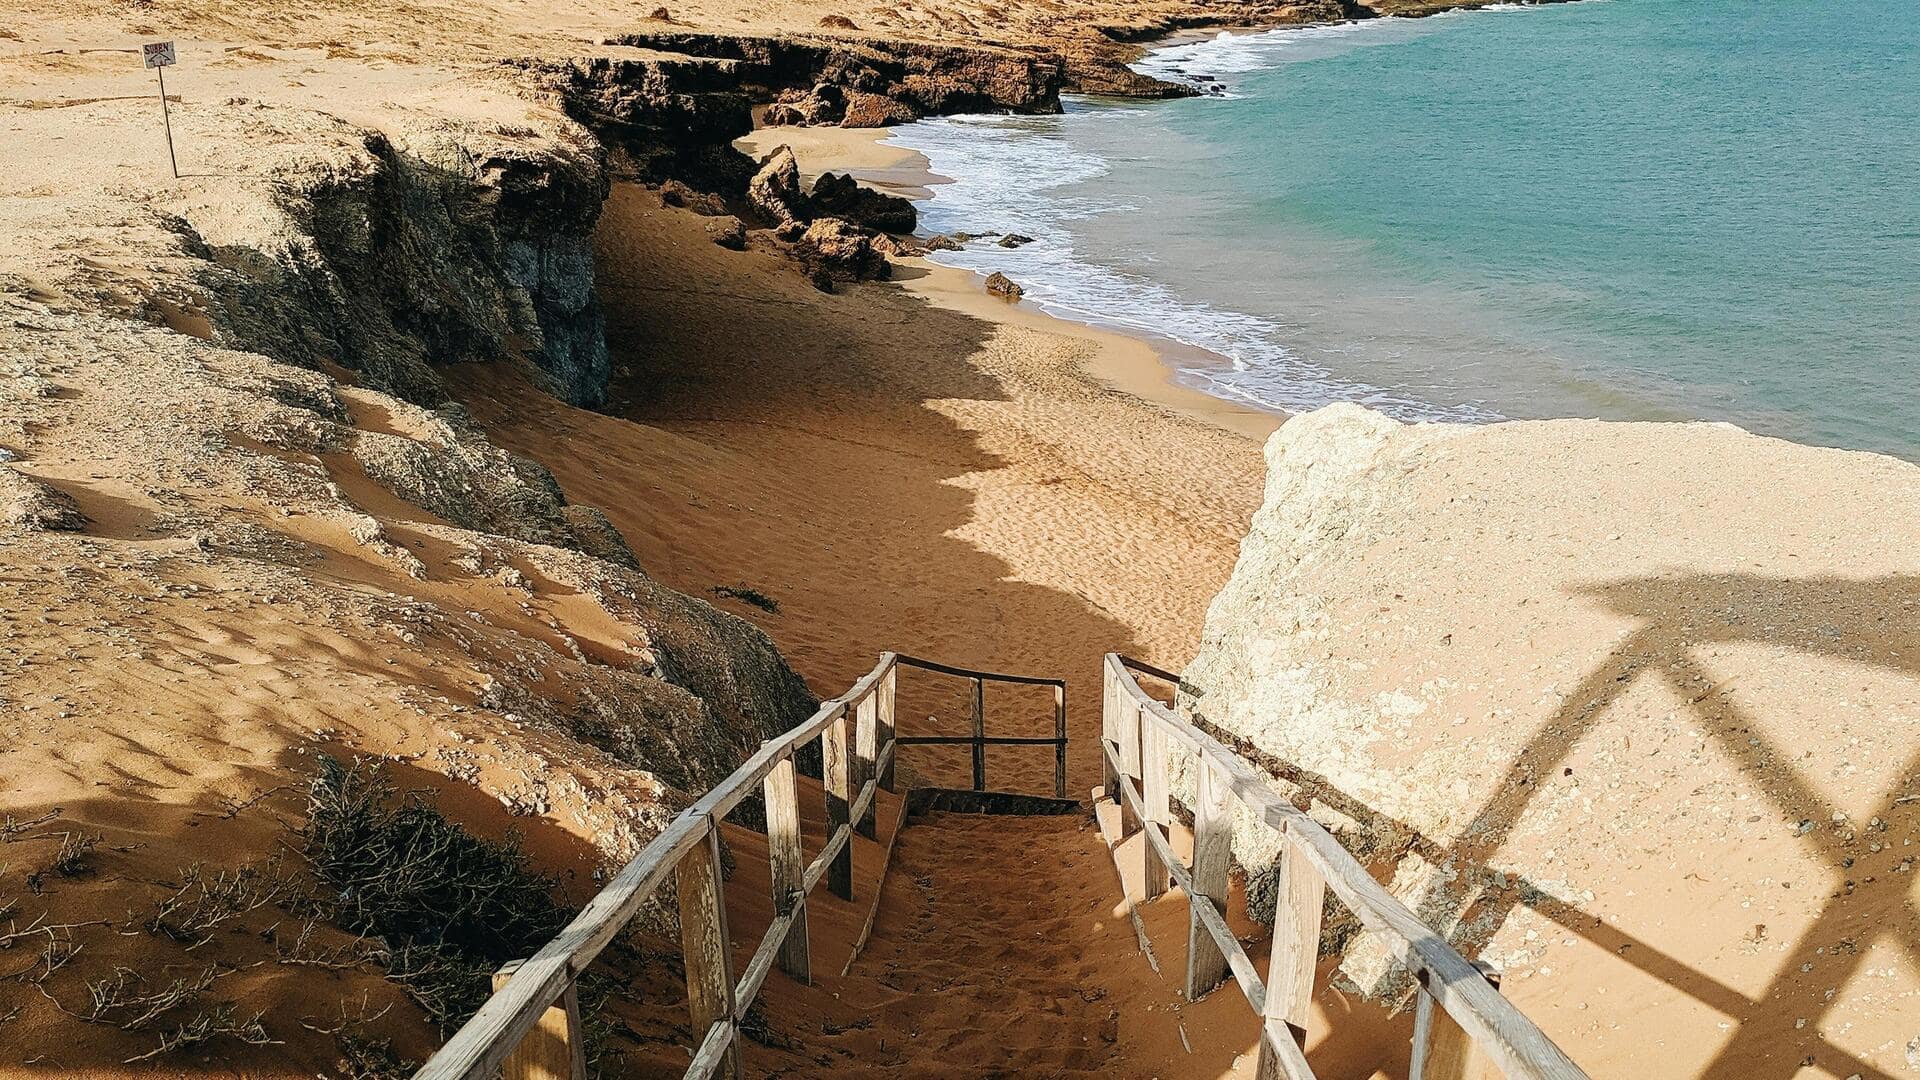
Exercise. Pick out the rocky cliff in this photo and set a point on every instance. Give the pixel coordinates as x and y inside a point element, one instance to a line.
<point>1627,709</point>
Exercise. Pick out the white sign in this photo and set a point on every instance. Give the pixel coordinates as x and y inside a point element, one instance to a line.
<point>159,54</point>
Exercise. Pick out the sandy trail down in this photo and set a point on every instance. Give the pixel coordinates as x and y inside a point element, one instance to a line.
<point>900,471</point>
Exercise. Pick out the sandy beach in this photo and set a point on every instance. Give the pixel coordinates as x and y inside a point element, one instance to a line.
<point>1017,486</point>
<point>917,465</point>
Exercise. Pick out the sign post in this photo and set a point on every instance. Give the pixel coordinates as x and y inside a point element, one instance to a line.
<point>160,56</point>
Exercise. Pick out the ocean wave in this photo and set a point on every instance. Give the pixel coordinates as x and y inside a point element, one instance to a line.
<point>1014,174</point>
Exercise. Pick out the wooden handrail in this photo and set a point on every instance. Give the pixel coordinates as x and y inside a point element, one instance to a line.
<point>857,769</point>
<point>969,673</point>
<point>1312,861</point>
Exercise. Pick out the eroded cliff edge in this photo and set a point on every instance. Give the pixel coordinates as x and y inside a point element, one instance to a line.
<point>1628,709</point>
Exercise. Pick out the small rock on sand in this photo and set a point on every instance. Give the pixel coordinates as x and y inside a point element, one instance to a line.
<point>1003,287</point>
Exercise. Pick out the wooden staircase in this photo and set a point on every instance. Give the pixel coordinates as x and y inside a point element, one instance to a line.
<point>530,1028</point>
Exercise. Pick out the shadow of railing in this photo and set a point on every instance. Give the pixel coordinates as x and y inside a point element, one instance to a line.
<point>1872,622</point>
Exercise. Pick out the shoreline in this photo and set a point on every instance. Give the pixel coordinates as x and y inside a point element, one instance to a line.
<point>1137,365</point>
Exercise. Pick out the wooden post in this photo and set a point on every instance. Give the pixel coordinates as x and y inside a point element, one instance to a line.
<point>555,1048</point>
<point>888,728</point>
<point>866,755</point>
<point>1154,781</point>
<point>1296,950</point>
<point>1127,718</point>
<point>1212,858</point>
<point>1060,748</point>
<point>788,863</point>
<point>1109,731</point>
<point>704,945</point>
<point>979,736</point>
<point>1441,1049</point>
<point>837,770</point>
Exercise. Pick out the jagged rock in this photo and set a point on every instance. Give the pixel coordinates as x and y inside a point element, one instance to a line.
<point>1014,240</point>
<point>942,242</point>
<point>661,14</point>
<point>864,110</point>
<point>672,117</point>
<point>893,245</point>
<point>842,251</point>
<point>775,188</point>
<point>839,195</point>
<point>926,78</point>
<point>468,481</point>
<point>32,506</point>
<point>406,258</point>
<point>728,232</point>
<point>676,193</point>
<point>783,114</point>
<point>820,104</point>
<point>596,536</point>
<point>1003,287</point>
<point>838,22</point>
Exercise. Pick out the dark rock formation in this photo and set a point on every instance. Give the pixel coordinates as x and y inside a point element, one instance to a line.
<point>925,79</point>
<point>411,259</point>
<point>1014,240</point>
<point>842,251</point>
<point>866,110</point>
<point>670,117</point>
<point>774,190</point>
<point>839,195</point>
<point>1003,287</point>
<point>728,232</point>
<point>675,193</point>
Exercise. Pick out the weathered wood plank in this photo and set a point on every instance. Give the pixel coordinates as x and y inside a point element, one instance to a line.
<point>1513,1042</point>
<point>879,888</point>
<point>837,769</point>
<point>1212,862</point>
<point>889,725</point>
<point>1442,1050</point>
<point>1060,748</point>
<point>556,1048</point>
<point>703,941</point>
<point>970,673</point>
<point>788,866</point>
<point>1155,779</point>
<point>713,1051</point>
<point>1296,950</point>
<point>1280,1052</point>
<point>866,756</point>
<point>1110,694</point>
<point>1216,923</point>
<point>979,736</point>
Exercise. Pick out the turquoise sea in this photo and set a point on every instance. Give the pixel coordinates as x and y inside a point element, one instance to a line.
<point>1614,208</point>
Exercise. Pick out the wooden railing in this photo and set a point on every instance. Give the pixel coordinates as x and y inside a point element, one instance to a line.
<point>530,1027</point>
<point>1459,1008</point>
<point>979,739</point>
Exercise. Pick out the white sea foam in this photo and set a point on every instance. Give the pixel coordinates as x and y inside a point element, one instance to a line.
<point>1015,175</point>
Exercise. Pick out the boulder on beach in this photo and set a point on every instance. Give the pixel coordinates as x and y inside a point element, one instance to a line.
<point>774,189</point>
<point>840,195</point>
<point>842,251</point>
<point>864,110</point>
<point>676,193</point>
<point>728,232</point>
<point>1003,287</point>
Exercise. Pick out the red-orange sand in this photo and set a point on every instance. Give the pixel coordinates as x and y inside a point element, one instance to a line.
<point>899,471</point>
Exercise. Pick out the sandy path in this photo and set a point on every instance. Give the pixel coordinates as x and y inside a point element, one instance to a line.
<point>914,468</point>
<point>893,473</point>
